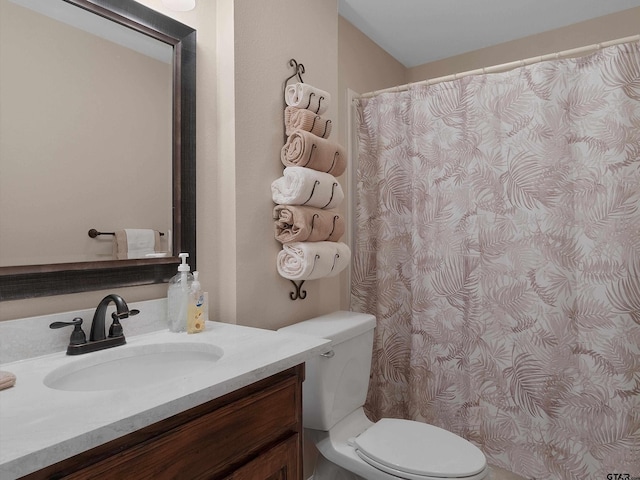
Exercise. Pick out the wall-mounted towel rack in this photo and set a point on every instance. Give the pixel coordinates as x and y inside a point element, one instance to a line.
<point>326,125</point>
<point>299,293</point>
<point>305,127</point>
<point>299,70</point>
<point>93,233</point>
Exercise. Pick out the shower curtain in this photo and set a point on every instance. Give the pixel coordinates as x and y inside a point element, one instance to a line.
<point>498,244</point>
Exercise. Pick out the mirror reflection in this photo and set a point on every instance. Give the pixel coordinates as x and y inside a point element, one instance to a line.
<point>86,134</point>
<point>162,182</point>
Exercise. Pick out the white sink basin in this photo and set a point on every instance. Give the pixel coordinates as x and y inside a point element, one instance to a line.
<point>133,366</point>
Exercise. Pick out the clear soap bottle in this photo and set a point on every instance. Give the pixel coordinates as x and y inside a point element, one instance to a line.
<point>178,296</point>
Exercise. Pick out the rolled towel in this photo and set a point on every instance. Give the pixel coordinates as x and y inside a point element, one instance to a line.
<point>7,379</point>
<point>299,118</point>
<point>304,149</point>
<point>307,224</point>
<point>136,243</point>
<point>303,95</point>
<point>311,260</point>
<point>304,186</point>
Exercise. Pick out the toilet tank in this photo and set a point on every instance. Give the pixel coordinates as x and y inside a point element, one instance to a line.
<point>336,384</point>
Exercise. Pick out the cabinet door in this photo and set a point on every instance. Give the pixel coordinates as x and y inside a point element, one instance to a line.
<point>281,462</point>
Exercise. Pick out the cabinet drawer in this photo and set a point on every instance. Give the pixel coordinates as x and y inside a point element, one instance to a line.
<point>279,463</point>
<point>213,443</point>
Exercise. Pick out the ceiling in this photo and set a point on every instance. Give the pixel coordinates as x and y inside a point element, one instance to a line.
<point>415,32</point>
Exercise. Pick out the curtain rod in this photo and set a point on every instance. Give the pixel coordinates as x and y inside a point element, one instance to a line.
<point>506,66</point>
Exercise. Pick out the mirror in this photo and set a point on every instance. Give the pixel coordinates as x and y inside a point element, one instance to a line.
<point>163,90</point>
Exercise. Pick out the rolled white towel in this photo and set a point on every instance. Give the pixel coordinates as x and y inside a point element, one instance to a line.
<point>312,260</point>
<point>136,243</point>
<point>303,95</point>
<point>305,186</point>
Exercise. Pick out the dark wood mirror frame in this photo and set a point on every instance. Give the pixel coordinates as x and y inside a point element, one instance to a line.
<point>21,282</point>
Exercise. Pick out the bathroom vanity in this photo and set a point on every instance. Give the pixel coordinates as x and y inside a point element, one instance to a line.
<point>254,432</point>
<point>238,417</point>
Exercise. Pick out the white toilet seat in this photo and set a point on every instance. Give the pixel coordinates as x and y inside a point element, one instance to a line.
<point>418,451</point>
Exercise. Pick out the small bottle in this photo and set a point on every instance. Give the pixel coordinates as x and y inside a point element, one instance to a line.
<point>178,296</point>
<point>196,310</point>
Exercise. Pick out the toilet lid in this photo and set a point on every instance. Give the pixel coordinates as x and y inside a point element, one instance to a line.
<point>415,448</point>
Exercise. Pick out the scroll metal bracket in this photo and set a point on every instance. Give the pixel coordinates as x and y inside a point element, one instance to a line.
<point>299,293</point>
<point>298,70</point>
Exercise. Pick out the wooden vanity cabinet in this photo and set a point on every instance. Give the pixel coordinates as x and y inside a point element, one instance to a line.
<point>254,433</point>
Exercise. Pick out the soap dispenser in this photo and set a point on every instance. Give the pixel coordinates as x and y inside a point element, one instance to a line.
<point>178,296</point>
<point>195,311</point>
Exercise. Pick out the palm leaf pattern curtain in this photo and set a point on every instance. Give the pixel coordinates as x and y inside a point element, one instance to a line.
<point>498,244</point>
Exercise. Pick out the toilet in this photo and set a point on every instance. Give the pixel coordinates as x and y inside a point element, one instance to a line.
<point>352,446</point>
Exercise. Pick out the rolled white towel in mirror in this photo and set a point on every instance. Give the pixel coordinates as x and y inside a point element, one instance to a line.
<point>304,149</point>
<point>136,243</point>
<point>312,260</point>
<point>305,186</point>
<point>303,95</point>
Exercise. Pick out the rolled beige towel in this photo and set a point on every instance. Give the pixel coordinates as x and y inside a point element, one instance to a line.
<point>312,260</point>
<point>7,379</point>
<point>307,224</point>
<point>304,149</point>
<point>305,186</point>
<point>303,95</point>
<point>301,119</point>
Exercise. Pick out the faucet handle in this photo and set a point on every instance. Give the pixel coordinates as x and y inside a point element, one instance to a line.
<point>127,314</point>
<point>115,330</point>
<point>77,336</point>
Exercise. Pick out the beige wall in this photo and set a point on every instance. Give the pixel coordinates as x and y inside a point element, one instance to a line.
<point>267,35</point>
<point>243,51</point>
<point>602,29</point>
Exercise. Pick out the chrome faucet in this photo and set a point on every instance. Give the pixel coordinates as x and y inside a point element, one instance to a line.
<point>97,338</point>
